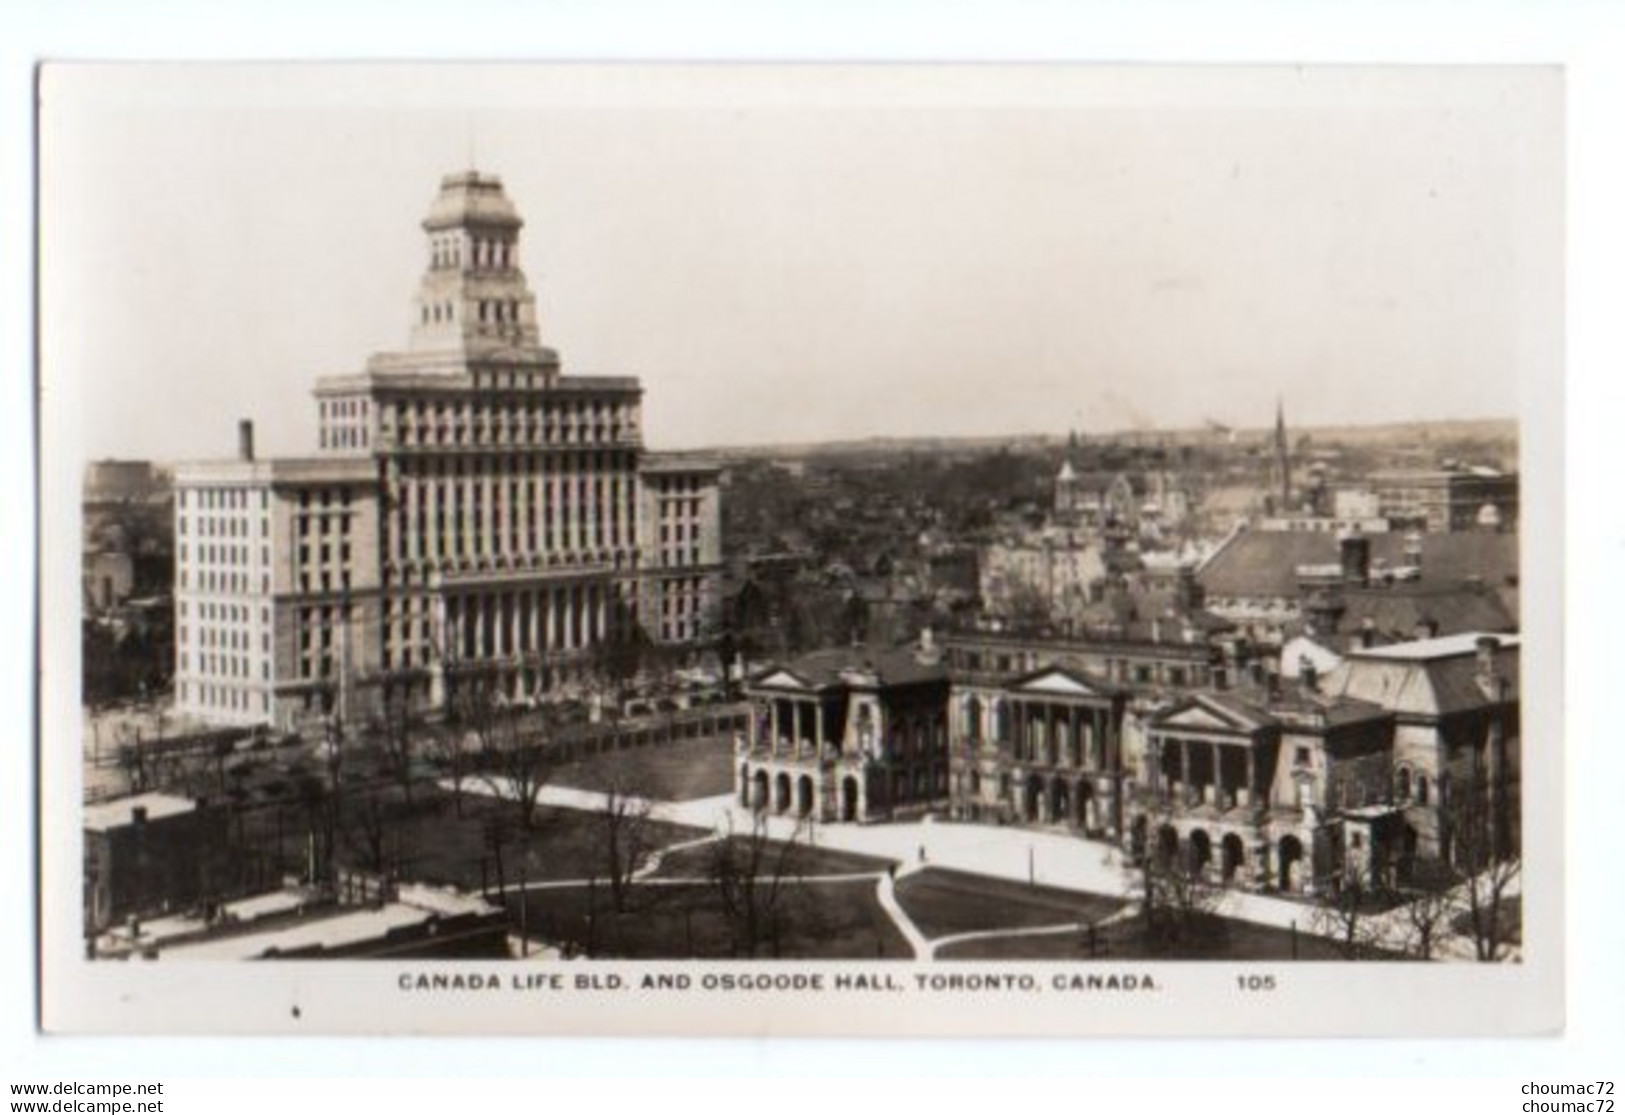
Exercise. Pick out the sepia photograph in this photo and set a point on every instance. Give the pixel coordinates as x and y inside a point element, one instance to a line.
<point>813,549</point>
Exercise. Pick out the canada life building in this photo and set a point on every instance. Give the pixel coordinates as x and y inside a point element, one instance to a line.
<point>471,511</point>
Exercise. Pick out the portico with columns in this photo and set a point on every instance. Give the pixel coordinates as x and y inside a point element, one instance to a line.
<point>1044,749</point>
<point>845,741</point>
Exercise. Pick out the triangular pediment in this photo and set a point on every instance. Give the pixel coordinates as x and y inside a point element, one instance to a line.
<point>782,679</point>
<point>1057,682</point>
<point>1199,717</point>
<point>1198,714</point>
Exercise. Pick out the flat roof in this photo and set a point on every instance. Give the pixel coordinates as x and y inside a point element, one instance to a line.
<point>1446,646</point>
<point>121,811</point>
<point>359,468</point>
<point>347,926</point>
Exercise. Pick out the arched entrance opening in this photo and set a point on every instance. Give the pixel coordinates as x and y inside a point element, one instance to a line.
<point>1167,845</point>
<point>1232,853</point>
<point>758,794</point>
<point>1288,855</point>
<point>1060,803</point>
<point>1031,797</point>
<point>1200,848</point>
<point>849,798</point>
<point>804,795</point>
<point>781,793</point>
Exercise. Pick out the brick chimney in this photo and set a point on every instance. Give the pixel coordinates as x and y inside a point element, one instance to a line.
<point>1367,635</point>
<point>245,439</point>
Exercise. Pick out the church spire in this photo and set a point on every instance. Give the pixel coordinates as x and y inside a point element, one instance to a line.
<point>1283,460</point>
<point>473,296</point>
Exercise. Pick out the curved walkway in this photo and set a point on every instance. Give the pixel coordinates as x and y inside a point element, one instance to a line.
<point>1032,931</point>
<point>1065,861</point>
<point>886,895</point>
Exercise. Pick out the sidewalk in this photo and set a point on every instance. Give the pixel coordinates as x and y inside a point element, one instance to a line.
<point>1064,861</point>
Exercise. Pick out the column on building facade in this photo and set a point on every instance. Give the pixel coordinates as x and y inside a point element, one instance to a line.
<point>529,628</point>
<point>555,619</point>
<point>818,727</point>
<point>1252,776</point>
<point>773,723</point>
<point>1050,757</point>
<point>1218,776</point>
<point>1185,770</point>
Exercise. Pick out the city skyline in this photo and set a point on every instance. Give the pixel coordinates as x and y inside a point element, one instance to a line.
<point>948,257</point>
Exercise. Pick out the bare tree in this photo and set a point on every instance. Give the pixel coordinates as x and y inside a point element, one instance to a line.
<point>1484,854</point>
<point>1176,901</point>
<point>514,749</point>
<point>398,732</point>
<point>1429,906</point>
<point>623,836</point>
<point>616,663</point>
<point>449,746</point>
<point>748,872</point>
<point>366,832</point>
<point>1344,909</point>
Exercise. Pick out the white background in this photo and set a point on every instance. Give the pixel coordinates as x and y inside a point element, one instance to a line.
<point>1586,39</point>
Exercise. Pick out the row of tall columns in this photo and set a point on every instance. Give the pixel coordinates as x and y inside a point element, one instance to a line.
<point>563,512</point>
<point>530,621</point>
<point>1035,738</point>
<point>1213,792</point>
<point>789,733</point>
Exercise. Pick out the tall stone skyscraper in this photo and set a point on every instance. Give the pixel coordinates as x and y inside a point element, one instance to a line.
<point>471,512</point>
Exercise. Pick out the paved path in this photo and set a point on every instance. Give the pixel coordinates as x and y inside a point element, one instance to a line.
<point>1062,860</point>
<point>886,895</point>
<point>1032,931</point>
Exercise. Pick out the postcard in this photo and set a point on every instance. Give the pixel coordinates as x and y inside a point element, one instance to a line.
<point>834,550</point>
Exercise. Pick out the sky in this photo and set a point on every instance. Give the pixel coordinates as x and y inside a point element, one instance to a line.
<point>802,254</point>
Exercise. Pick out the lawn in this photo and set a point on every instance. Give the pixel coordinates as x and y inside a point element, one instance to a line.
<point>1223,939</point>
<point>817,921</point>
<point>803,861</point>
<point>944,903</point>
<point>678,771</point>
<point>432,843</point>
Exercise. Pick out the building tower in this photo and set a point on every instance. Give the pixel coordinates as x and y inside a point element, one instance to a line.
<point>1281,466</point>
<point>474,518</point>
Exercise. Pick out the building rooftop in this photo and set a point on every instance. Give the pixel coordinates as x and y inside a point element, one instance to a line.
<point>889,665</point>
<point>1256,563</point>
<point>106,815</point>
<point>1447,646</point>
<point>1430,677</point>
<point>469,197</point>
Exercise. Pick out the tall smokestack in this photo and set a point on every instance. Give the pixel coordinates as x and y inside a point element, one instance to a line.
<point>245,440</point>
